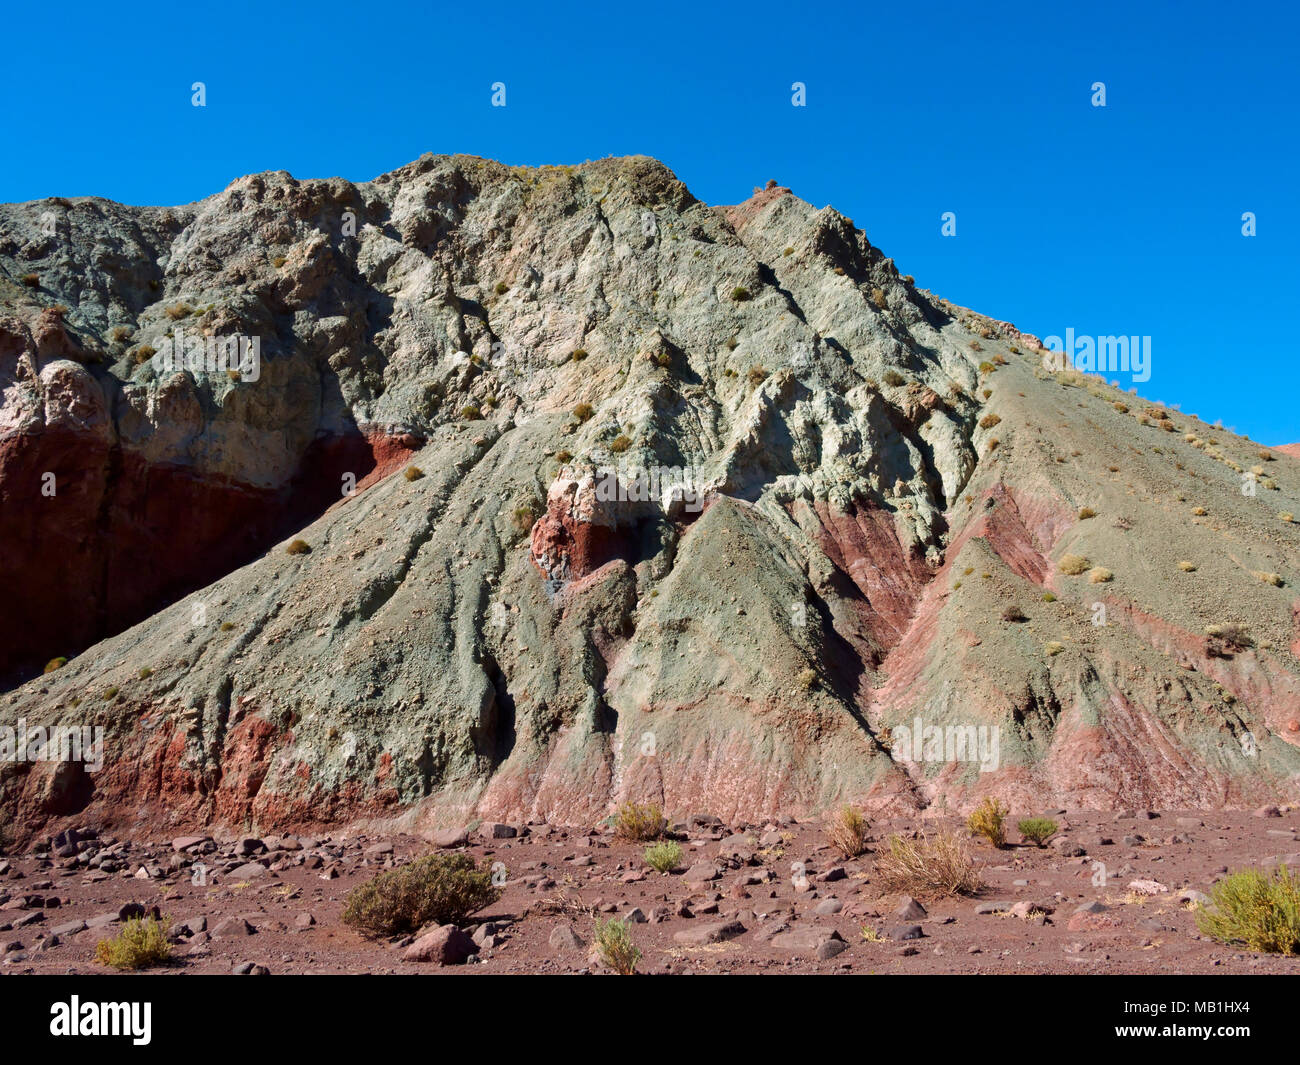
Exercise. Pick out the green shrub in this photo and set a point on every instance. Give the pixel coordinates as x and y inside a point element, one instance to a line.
<point>1257,909</point>
<point>615,947</point>
<point>1038,830</point>
<point>141,943</point>
<point>470,413</point>
<point>664,857</point>
<point>740,294</point>
<point>639,822</point>
<point>436,889</point>
<point>988,820</point>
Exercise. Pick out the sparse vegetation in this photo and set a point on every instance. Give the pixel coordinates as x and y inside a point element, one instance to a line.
<point>524,516</point>
<point>1054,647</point>
<point>807,680</point>
<point>31,280</point>
<point>989,421</point>
<point>942,866</point>
<point>177,311</point>
<point>620,444</point>
<point>413,473</point>
<point>1199,512</point>
<point>1187,567</point>
<point>55,663</point>
<point>639,822</point>
<point>110,693</point>
<point>989,820</point>
<point>1048,597</point>
<point>502,288</point>
<point>435,889</point>
<point>664,857</point>
<point>470,413</point>
<point>1275,579</point>
<point>615,947</point>
<point>757,375</point>
<point>298,547</point>
<point>1257,909</point>
<point>1086,512</point>
<point>1100,575</point>
<point>141,943</point>
<point>1073,565</point>
<point>563,456</point>
<point>578,354</point>
<point>583,411</point>
<point>879,299</point>
<point>1013,613</point>
<point>893,378</point>
<point>847,832</point>
<point>1037,830</point>
<point>1224,640</point>
<point>740,294</point>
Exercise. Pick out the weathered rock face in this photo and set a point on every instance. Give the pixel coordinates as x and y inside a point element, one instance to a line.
<point>704,506</point>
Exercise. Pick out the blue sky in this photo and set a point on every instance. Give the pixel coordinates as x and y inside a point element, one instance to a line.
<point>1117,220</point>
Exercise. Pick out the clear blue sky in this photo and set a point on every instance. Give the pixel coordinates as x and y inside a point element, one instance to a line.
<point>1117,220</point>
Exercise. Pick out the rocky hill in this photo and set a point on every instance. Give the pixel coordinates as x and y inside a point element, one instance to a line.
<point>551,487</point>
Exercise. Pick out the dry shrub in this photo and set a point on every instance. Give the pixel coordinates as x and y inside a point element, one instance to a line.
<point>637,822</point>
<point>847,832</point>
<point>1073,565</point>
<point>141,943</point>
<point>939,866</point>
<point>1257,909</point>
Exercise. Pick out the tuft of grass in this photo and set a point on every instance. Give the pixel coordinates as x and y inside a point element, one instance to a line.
<point>942,866</point>
<point>893,378</point>
<point>1037,830</point>
<point>298,547</point>
<point>177,311</point>
<point>55,663</point>
<point>145,673</point>
<point>989,421</point>
<point>141,943</point>
<point>1013,613</point>
<point>563,456</point>
<point>436,889</point>
<point>1086,512</point>
<point>583,411</point>
<point>1073,565</point>
<point>470,413</point>
<point>524,516</point>
<point>110,693</point>
<point>413,473</point>
<point>664,857</point>
<point>1275,579</point>
<point>989,820</point>
<point>1053,647</point>
<point>615,947</point>
<point>1100,575</point>
<point>502,288</point>
<point>740,294</point>
<point>757,375</point>
<point>1187,567</point>
<point>578,354</point>
<point>847,832</point>
<point>1199,512</point>
<point>620,444</point>
<point>807,680</point>
<point>639,822</point>
<point>31,280</point>
<point>1048,597</point>
<point>1286,516</point>
<point>1256,909</point>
